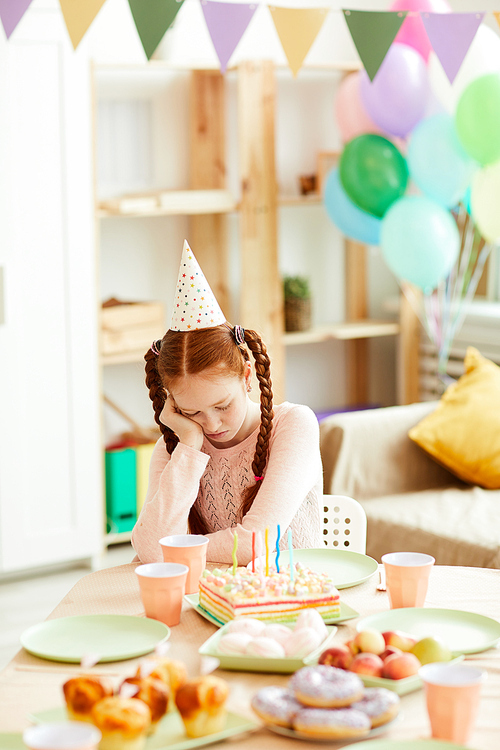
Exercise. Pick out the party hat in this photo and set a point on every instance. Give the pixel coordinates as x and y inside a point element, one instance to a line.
<point>195,305</point>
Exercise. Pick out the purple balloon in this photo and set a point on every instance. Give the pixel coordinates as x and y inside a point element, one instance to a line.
<point>397,97</point>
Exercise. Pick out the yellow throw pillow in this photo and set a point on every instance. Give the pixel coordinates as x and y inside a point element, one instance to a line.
<point>463,433</point>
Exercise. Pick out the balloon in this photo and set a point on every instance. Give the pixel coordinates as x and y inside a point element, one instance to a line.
<point>437,162</point>
<point>412,31</point>
<point>397,97</point>
<point>373,173</point>
<point>351,115</point>
<point>483,57</point>
<point>351,220</point>
<point>485,200</point>
<point>478,118</point>
<point>420,241</point>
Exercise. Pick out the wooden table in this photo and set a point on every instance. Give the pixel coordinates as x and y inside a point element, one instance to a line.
<point>29,684</point>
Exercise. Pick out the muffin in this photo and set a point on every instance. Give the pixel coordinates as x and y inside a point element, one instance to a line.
<point>171,672</point>
<point>202,705</point>
<point>123,722</point>
<point>82,693</point>
<point>154,693</point>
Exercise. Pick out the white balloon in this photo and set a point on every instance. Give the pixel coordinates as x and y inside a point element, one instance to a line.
<point>483,57</point>
<point>485,198</point>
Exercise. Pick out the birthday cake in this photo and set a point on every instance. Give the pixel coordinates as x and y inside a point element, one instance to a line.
<point>276,597</point>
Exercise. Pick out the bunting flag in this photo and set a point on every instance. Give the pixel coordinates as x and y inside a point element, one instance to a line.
<point>152,18</point>
<point>78,16</point>
<point>373,32</point>
<point>297,29</point>
<point>451,35</point>
<point>497,16</point>
<point>11,12</point>
<point>226,23</point>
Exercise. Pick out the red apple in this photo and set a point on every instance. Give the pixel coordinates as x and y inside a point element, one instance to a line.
<point>370,641</point>
<point>389,651</point>
<point>398,666</point>
<point>398,638</point>
<point>337,656</point>
<point>364,663</point>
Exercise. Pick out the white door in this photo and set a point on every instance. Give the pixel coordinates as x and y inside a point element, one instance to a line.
<point>50,460</point>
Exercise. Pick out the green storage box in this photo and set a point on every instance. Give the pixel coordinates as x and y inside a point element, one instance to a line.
<point>121,489</point>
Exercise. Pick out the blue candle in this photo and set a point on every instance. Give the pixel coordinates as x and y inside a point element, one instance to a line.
<point>278,550</point>
<point>290,552</point>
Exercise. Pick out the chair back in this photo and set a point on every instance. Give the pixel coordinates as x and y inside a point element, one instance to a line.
<point>344,523</point>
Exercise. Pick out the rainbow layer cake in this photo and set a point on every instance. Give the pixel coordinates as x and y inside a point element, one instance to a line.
<point>274,597</point>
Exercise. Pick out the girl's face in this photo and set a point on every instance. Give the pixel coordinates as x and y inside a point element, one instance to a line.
<point>219,404</point>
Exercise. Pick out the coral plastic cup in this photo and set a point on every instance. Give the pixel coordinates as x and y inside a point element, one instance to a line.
<point>162,587</point>
<point>67,735</point>
<point>407,578</point>
<point>452,694</point>
<point>190,550</point>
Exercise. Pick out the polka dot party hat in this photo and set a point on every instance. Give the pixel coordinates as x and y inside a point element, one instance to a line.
<point>195,305</point>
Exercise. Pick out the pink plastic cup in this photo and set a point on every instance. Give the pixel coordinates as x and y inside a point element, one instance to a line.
<point>407,578</point>
<point>67,735</point>
<point>162,587</point>
<point>452,694</point>
<point>190,550</point>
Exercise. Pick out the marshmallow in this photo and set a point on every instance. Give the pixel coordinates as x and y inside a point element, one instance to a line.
<point>302,642</point>
<point>246,625</point>
<point>278,632</point>
<point>267,647</point>
<point>310,618</point>
<point>234,643</point>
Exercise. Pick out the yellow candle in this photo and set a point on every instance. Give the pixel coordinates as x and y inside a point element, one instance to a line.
<point>266,537</point>
<point>235,547</point>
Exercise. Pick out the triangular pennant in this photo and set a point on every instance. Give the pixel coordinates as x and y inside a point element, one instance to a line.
<point>497,16</point>
<point>11,12</point>
<point>195,305</point>
<point>297,29</point>
<point>373,32</point>
<point>226,23</point>
<point>152,18</point>
<point>451,35</point>
<point>78,16</point>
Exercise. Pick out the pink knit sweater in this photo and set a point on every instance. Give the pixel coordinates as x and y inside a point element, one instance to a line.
<point>215,478</point>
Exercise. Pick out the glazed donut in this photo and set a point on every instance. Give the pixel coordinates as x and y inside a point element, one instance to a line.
<point>326,687</point>
<point>331,723</point>
<point>275,705</point>
<point>379,704</point>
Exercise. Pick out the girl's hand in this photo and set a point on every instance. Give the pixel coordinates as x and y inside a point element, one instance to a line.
<point>188,432</point>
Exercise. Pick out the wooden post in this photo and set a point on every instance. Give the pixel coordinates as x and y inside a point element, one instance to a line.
<point>408,359</point>
<point>261,299</point>
<point>356,309</point>
<point>207,233</point>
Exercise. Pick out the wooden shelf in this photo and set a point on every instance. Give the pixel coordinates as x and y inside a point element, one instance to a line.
<point>313,199</point>
<point>169,203</point>
<point>118,538</point>
<point>359,329</point>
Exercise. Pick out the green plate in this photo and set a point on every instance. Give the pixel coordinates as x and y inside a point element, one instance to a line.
<point>12,741</point>
<point>345,568</point>
<point>287,732</point>
<point>407,745</point>
<point>346,612</point>
<point>112,637</point>
<point>243,663</point>
<point>401,687</point>
<point>170,733</point>
<point>463,632</point>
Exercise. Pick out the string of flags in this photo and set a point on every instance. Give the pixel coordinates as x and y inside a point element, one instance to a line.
<point>373,32</point>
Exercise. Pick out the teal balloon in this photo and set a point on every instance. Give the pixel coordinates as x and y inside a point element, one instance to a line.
<point>437,161</point>
<point>420,241</point>
<point>374,174</point>
<point>351,220</point>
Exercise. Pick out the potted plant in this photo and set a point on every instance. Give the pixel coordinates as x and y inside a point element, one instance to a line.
<point>297,295</point>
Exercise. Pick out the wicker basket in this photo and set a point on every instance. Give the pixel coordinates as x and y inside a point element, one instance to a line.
<point>297,314</point>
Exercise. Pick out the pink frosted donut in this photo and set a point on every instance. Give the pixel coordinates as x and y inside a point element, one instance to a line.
<point>246,625</point>
<point>266,647</point>
<point>311,618</point>
<point>233,643</point>
<point>326,687</point>
<point>379,704</point>
<point>302,642</point>
<point>279,632</point>
<point>275,705</point>
<point>331,723</point>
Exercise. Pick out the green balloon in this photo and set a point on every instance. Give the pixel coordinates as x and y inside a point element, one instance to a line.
<point>373,173</point>
<point>477,118</point>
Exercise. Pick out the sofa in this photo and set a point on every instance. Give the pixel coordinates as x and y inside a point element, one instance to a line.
<point>411,502</point>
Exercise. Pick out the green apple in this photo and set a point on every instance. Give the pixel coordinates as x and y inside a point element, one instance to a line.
<point>431,649</point>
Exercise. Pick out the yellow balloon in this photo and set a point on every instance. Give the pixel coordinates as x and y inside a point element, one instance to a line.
<point>485,201</point>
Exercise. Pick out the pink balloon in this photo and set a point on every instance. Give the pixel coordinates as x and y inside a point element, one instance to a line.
<point>352,117</point>
<point>412,32</point>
